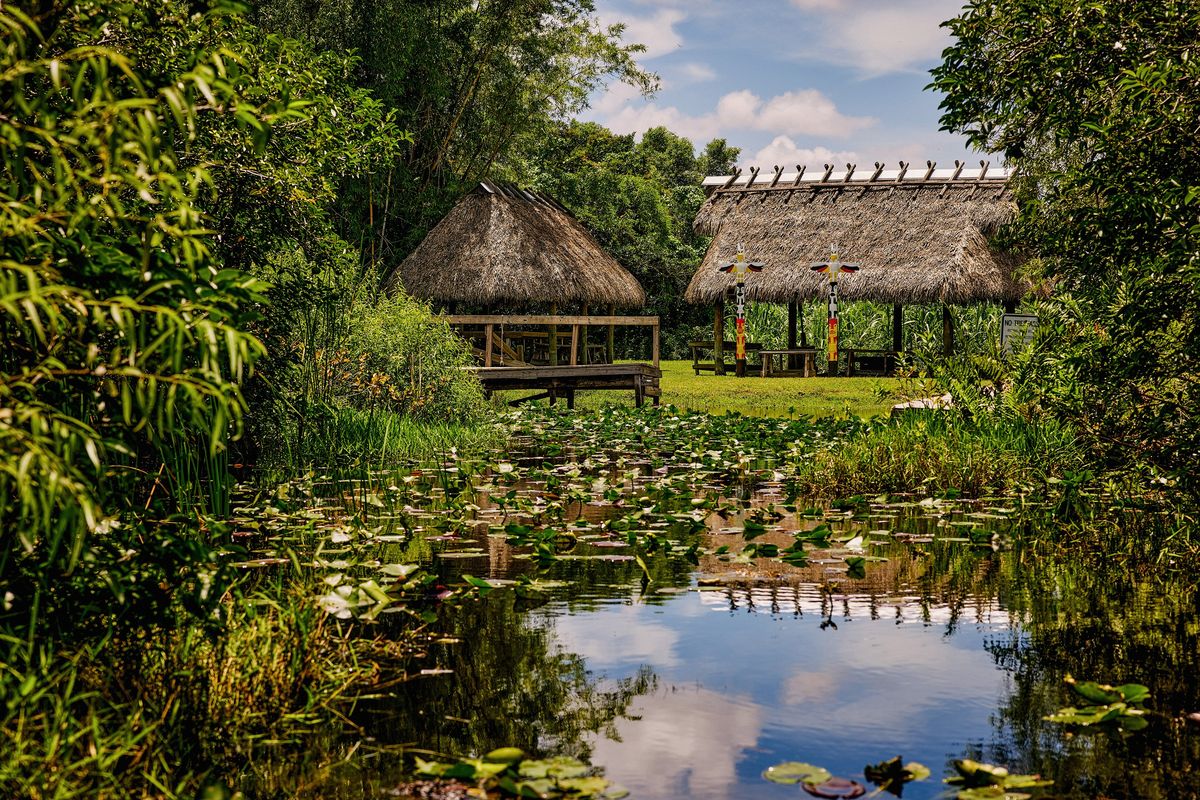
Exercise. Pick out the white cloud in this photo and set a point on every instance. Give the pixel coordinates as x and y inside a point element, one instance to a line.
<point>697,72</point>
<point>804,112</point>
<point>639,119</point>
<point>784,152</point>
<point>657,32</point>
<point>878,37</point>
<point>807,111</point>
<point>616,97</point>
<point>904,37</point>
<point>682,743</point>
<point>618,638</point>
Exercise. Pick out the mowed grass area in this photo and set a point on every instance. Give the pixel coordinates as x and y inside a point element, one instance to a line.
<point>755,396</point>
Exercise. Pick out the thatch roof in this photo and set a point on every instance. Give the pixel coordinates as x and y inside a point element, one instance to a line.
<point>919,237</point>
<point>505,246</point>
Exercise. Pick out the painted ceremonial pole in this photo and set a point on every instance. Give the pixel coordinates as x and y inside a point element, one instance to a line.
<point>739,267</point>
<point>833,267</point>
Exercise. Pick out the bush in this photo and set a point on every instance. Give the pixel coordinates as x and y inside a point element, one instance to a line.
<point>400,357</point>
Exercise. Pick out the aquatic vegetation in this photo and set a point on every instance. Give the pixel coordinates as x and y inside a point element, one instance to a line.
<point>987,782</point>
<point>889,776</point>
<point>1121,705</point>
<point>796,772</point>
<point>507,771</point>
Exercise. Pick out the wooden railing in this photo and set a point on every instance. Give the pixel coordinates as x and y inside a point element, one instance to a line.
<point>577,323</point>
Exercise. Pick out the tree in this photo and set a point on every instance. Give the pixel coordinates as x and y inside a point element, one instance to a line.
<point>121,330</point>
<point>474,82</point>
<point>639,199</point>
<point>1095,105</point>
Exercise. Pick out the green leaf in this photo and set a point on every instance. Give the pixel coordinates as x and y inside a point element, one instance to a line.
<point>796,772</point>
<point>505,755</point>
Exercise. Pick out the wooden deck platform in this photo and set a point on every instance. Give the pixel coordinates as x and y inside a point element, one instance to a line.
<point>555,382</point>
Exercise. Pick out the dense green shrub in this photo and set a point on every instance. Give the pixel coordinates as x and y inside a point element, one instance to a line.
<point>400,357</point>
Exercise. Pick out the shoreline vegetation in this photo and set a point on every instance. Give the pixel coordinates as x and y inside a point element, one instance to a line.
<point>208,404</point>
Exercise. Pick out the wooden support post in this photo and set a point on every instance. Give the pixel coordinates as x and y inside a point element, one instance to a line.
<point>574,345</point>
<point>654,343</point>
<point>487,345</point>
<point>611,349</point>
<point>719,338</point>
<point>552,339</point>
<point>947,331</point>
<point>803,325</point>
<point>583,336</point>
<point>897,327</point>
<point>791,337</point>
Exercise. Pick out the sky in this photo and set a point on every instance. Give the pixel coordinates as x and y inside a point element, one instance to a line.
<point>789,82</point>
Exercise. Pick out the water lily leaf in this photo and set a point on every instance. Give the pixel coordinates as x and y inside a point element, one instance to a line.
<point>431,768</point>
<point>589,786</point>
<point>836,788</point>
<point>753,530</point>
<point>985,781</point>
<point>1132,723</point>
<point>560,767</point>
<point>399,570</point>
<point>505,755</point>
<point>373,590</point>
<point>974,773</point>
<point>892,773</point>
<point>856,567</point>
<point>796,772</point>
<point>1095,693</point>
<point>1088,715</point>
<point>1134,692</point>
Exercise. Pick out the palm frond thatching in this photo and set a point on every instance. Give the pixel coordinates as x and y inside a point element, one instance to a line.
<point>503,246</point>
<point>918,240</point>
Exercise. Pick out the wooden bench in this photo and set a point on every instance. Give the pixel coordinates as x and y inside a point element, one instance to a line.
<point>870,362</point>
<point>807,357</point>
<point>727,350</point>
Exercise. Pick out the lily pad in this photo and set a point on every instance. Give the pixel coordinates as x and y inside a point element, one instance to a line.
<point>796,772</point>
<point>836,788</point>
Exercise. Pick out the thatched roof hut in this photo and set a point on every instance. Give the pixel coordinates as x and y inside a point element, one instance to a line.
<point>501,245</point>
<point>921,237</point>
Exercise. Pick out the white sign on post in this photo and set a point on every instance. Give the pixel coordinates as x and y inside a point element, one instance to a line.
<point>1016,330</point>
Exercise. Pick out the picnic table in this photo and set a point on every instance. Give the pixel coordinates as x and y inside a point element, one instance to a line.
<point>727,350</point>
<point>806,356</point>
<point>867,361</point>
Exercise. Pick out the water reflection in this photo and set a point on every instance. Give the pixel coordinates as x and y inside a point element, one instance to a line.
<point>690,685</point>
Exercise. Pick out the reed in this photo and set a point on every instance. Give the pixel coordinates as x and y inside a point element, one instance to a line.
<point>151,712</point>
<point>939,451</point>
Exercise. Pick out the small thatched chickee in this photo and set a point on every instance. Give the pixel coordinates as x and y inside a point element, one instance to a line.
<point>504,246</point>
<point>921,237</point>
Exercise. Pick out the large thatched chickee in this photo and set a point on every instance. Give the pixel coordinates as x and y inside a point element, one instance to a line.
<point>502,246</point>
<point>920,236</point>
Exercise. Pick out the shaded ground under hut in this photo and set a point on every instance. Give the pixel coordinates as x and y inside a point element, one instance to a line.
<point>921,237</point>
<point>502,247</point>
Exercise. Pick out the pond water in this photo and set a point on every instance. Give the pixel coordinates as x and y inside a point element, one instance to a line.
<point>647,618</point>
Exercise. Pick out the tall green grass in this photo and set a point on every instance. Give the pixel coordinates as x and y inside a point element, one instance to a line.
<point>382,438</point>
<point>151,712</point>
<point>938,451</point>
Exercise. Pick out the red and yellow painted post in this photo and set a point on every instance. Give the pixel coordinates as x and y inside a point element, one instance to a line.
<point>833,268</point>
<point>739,267</point>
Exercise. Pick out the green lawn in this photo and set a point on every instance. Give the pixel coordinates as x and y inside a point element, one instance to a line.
<point>755,396</point>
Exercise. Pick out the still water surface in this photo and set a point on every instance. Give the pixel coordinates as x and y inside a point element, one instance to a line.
<point>694,684</point>
<point>951,640</point>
